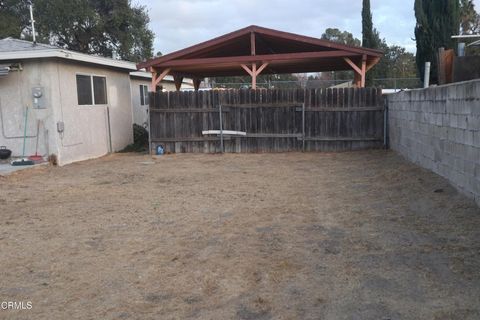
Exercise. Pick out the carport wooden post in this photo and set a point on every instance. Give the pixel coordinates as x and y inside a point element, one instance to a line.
<point>253,71</point>
<point>303,126</point>
<point>364,70</point>
<point>221,127</point>
<point>360,72</point>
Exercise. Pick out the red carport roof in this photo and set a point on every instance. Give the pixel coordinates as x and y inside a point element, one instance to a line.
<point>284,52</point>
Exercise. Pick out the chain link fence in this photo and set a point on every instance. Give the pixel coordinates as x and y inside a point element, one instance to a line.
<point>384,83</point>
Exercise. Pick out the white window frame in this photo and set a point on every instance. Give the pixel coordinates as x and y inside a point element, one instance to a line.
<point>145,95</point>
<point>91,75</point>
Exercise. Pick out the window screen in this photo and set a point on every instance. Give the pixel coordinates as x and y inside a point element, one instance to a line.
<point>100,90</point>
<point>143,95</point>
<point>84,90</point>
<point>146,97</point>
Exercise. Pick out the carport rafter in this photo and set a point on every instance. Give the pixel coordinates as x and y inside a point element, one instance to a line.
<point>254,72</point>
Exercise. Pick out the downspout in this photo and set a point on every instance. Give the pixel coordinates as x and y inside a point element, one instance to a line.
<point>109,131</point>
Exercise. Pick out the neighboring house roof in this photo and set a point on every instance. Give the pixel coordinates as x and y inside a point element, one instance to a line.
<point>15,49</point>
<point>148,75</point>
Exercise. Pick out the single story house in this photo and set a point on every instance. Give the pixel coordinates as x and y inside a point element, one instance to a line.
<point>68,104</point>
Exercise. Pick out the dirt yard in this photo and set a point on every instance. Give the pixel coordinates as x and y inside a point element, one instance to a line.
<point>363,235</point>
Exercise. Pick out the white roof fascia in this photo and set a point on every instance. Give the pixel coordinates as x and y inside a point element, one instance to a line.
<point>466,36</point>
<point>69,55</point>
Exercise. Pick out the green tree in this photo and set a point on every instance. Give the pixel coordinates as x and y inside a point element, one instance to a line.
<point>14,17</point>
<point>437,21</point>
<point>343,37</point>
<point>469,18</point>
<point>401,63</point>
<point>396,62</point>
<point>104,27</point>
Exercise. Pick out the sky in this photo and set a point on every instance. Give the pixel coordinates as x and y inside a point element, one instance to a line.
<point>181,23</point>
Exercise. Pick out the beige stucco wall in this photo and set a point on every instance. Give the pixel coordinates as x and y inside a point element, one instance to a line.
<point>140,113</point>
<point>15,96</point>
<point>86,127</point>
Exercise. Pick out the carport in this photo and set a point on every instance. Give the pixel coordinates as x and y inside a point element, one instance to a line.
<point>256,50</point>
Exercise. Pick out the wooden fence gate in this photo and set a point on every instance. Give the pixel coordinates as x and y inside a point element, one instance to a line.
<point>274,120</point>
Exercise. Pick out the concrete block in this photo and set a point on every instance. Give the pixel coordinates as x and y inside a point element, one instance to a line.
<point>458,178</point>
<point>466,151</point>
<point>459,106</point>
<point>440,132</point>
<point>477,170</point>
<point>427,163</point>
<point>460,136</point>
<point>449,147</point>
<point>451,107</point>
<point>451,134</point>
<point>439,107</point>
<point>445,171</point>
<point>468,137</point>
<point>469,168</point>
<point>453,120</point>
<point>472,89</point>
<point>430,118</point>
<point>438,150</point>
<point>469,153</point>
<point>449,160</point>
<point>462,121</point>
<point>473,122</point>
<point>412,116</point>
<point>428,151</point>
<point>476,139</point>
<point>459,165</point>
<point>431,130</point>
<point>423,128</point>
<point>475,109</point>
<point>446,120</point>
<point>473,185</point>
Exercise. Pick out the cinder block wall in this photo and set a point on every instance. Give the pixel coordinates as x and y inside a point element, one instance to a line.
<point>439,129</point>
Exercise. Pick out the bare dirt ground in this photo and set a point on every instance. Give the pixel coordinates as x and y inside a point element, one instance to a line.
<point>363,235</point>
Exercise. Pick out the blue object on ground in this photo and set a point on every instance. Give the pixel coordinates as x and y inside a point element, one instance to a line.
<point>160,150</point>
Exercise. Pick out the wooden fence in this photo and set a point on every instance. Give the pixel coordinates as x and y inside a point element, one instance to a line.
<point>274,120</point>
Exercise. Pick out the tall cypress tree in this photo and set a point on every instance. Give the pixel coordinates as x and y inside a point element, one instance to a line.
<point>437,21</point>
<point>371,39</point>
<point>368,35</point>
